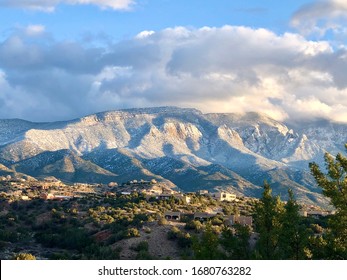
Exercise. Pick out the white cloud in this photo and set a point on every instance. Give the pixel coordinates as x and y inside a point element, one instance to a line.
<point>49,5</point>
<point>144,34</point>
<point>228,69</point>
<point>321,16</point>
<point>35,30</point>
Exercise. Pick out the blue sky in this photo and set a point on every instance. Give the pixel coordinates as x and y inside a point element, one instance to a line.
<point>73,21</point>
<point>62,59</point>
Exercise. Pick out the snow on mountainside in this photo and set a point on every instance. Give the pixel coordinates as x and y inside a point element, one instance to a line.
<point>331,137</point>
<point>185,147</point>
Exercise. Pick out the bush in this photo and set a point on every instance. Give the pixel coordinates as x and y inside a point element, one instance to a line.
<point>147,229</point>
<point>194,225</point>
<point>144,255</point>
<point>184,240</point>
<point>162,222</point>
<point>173,233</point>
<point>142,246</point>
<point>24,256</point>
<point>217,221</point>
<point>132,232</point>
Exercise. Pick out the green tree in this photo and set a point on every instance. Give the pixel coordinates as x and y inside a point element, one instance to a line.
<point>206,247</point>
<point>294,235</point>
<point>268,214</point>
<point>334,186</point>
<point>235,242</point>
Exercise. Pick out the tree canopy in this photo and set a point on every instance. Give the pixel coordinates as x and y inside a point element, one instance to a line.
<point>334,186</point>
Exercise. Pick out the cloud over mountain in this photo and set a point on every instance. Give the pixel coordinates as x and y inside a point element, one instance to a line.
<point>230,69</point>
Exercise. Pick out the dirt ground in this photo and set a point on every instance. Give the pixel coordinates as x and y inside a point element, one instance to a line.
<point>159,246</point>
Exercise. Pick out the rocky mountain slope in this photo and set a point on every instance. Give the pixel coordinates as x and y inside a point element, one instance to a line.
<point>183,147</point>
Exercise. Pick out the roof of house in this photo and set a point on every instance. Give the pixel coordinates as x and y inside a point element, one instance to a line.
<point>203,215</point>
<point>168,213</point>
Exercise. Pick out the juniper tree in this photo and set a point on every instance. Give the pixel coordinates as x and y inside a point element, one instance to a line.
<point>206,247</point>
<point>334,186</point>
<point>268,213</point>
<point>235,242</point>
<point>293,237</point>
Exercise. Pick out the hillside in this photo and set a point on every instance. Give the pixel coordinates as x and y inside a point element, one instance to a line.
<point>183,147</point>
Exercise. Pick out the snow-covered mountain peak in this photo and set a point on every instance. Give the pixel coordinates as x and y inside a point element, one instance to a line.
<point>170,143</point>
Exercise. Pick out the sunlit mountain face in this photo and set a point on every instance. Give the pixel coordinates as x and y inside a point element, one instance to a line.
<point>184,148</point>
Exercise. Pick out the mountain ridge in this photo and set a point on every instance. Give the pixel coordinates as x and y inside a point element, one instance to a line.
<point>176,145</point>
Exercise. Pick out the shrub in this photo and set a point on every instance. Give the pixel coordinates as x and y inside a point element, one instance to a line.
<point>132,232</point>
<point>144,255</point>
<point>184,240</point>
<point>24,256</point>
<point>162,221</point>
<point>173,233</point>
<point>194,225</point>
<point>142,246</point>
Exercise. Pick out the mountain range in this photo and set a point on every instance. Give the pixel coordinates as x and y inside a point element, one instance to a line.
<point>183,148</point>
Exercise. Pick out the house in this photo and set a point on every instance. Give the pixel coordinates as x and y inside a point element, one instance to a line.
<point>112,184</point>
<point>203,216</point>
<point>316,214</point>
<point>62,197</point>
<point>203,192</point>
<point>110,194</point>
<point>166,196</point>
<point>44,187</point>
<point>185,198</point>
<point>175,216</point>
<point>223,196</point>
<point>125,193</point>
<point>163,196</point>
<point>239,219</point>
<point>47,196</point>
<point>51,196</point>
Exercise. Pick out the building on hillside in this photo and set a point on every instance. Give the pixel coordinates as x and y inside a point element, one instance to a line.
<point>223,196</point>
<point>185,198</point>
<point>62,197</point>
<point>112,184</point>
<point>203,192</point>
<point>172,216</point>
<point>203,216</point>
<point>239,219</point>
<point>109,194</point>
<point>47,196</point>
<point>315,214</point>
<point>166,196</point>
<point>163,196</point>
<point>168,191</point>
<point>125,193</point>
<point>51,196</point>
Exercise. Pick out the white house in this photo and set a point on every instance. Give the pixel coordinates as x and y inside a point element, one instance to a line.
<point>223,196</point>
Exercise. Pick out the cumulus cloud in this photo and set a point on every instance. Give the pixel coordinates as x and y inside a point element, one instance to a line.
<point>321,16</point>
<point>49,5</point>
<point>228,69</point>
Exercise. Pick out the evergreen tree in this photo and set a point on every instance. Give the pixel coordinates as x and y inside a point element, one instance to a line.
<point>334,186</point>
<point>268,224</point>
<point>206,247</point>
<point>235,242</point>
<point>293,235</point>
